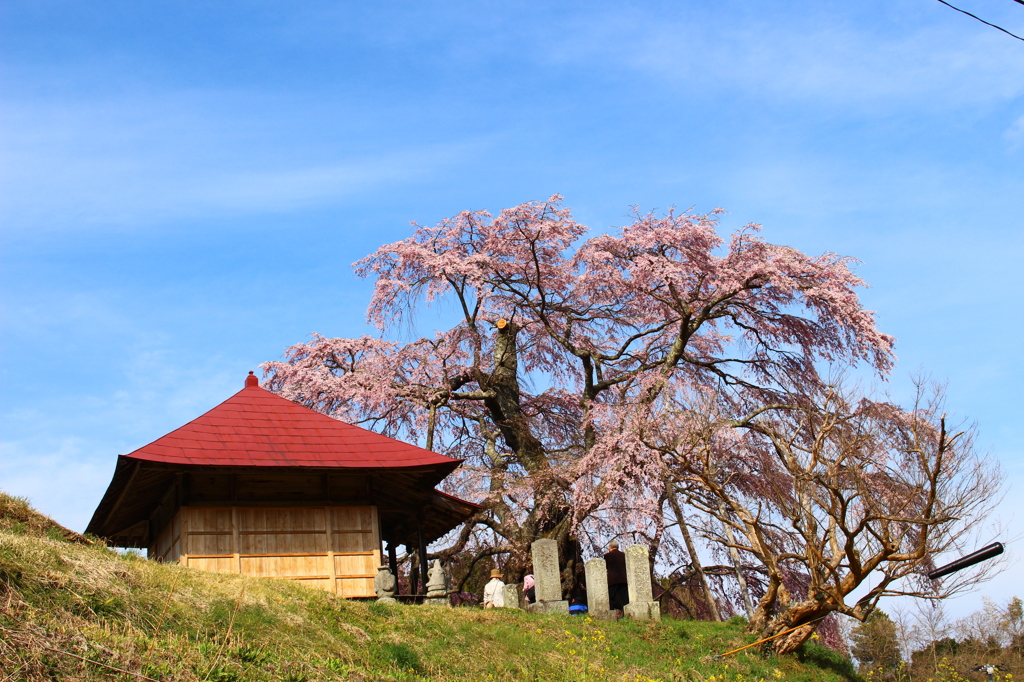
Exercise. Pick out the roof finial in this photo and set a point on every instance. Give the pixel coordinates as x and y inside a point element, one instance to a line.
<point>251,380</point>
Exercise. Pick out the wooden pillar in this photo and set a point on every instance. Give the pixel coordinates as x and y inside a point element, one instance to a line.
<point>423,557</point>
<point>236,545</point>
<point>183,558</point>
<point>414,573</point>
<point>331,569</point>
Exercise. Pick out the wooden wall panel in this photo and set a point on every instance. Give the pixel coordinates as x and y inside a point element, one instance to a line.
<point>174,550</point>
<point>355,587</point>
<point>276,543</point>
<point>333,548</point>
<point>302,566</point>
<point>206,542</point>
<point>210,519</point>
<point>161,544</point>
<point>204,487</point>
<point>220,564</point>
<point>297,487</point>
<point>209,531</point>
<point>356,565</point>
<point>348,487</point>
<point>355,529</point>
<point>276,519</point>
<point>168,544</point>
<point>320,583</point>
<point>225,489</point>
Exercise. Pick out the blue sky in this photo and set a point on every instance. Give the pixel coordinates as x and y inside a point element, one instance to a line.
<point>185,185</point>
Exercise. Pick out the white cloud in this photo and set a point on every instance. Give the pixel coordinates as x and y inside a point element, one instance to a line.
<point>55,476</point>
<point>64,476</point>
<point>130,161</point>
<point>1015,134</point>
<point>292,188</point>
<point>818,60</point>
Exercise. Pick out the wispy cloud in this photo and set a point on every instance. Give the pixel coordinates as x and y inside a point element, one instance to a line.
<point>55,477</point>
<point>294,188</point>
<point>809,59</point>
<point>171,155</point>
<point>64,475</point>
<point>1015,134</point>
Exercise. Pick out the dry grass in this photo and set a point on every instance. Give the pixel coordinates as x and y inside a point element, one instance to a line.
<point>17,516</point>
<point>74,611</point>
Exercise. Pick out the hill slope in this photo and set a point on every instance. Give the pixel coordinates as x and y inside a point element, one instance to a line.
<point>74,610</point>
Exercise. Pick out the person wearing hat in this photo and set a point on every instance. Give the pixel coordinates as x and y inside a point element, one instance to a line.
<point>494,591</point>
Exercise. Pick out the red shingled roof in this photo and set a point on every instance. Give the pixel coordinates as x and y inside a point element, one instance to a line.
<point>255,427</point>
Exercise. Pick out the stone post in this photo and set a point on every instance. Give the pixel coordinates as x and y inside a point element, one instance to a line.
<point>548,579</point>
<point>641,604</point>
<point>437,586</point>
<point>384,585</point>
<point>597,590</point>
<point>511,595</point>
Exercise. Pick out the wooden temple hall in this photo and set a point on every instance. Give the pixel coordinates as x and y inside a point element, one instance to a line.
<point>265,487</point>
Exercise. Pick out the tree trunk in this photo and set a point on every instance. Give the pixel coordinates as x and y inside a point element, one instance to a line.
<point>797,615</point>
<point>709,597</point>
<point>505,408</point>
<point>734,553</point>
<point>550,516</point>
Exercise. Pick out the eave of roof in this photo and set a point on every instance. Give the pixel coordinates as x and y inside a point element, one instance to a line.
<point>255,427</point>
<point>405,504</point>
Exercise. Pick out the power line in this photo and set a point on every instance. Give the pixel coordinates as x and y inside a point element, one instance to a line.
<point>982,20</point>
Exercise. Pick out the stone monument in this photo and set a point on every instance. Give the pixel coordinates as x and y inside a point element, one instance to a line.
<point>437,585</point>
<point>641,604</point>
<point>384,584</point>
<point>548,579</point>
<point>597,590</point>
<point>512,596</point>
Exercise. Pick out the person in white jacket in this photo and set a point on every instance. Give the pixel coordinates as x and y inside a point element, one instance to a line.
<point>494,591</point>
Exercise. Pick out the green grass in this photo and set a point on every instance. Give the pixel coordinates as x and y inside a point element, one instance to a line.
<point>62,602</point>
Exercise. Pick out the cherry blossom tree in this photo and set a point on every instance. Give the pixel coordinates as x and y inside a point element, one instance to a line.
<point>827,492</point>
<point>564,344</point>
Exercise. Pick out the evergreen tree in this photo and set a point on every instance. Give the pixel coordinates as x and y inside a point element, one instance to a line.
<point>877,647</point>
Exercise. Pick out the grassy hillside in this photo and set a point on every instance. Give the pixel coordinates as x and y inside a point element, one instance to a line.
<point>71,610</point>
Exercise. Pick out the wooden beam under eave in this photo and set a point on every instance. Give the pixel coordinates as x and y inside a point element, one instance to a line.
<point>120,497</point>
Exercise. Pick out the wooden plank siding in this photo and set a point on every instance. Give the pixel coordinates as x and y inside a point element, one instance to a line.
<point>334,548</point>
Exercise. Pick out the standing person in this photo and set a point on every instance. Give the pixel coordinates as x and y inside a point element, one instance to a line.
<point>618,589</point>
<point>494,591</point>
